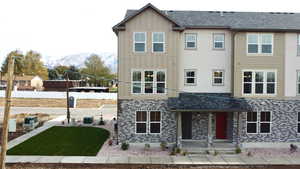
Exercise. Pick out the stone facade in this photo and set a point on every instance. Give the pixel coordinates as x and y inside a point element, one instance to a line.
<point>126,121</point>
<point>199,126</point>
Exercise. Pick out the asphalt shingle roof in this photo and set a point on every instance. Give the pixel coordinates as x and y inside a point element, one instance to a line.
<point>233,20</point>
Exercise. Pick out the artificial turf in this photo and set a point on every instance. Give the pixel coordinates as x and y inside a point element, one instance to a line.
<point>63,141</point>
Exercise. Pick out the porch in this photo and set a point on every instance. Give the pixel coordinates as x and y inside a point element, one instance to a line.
<point>195,146</point>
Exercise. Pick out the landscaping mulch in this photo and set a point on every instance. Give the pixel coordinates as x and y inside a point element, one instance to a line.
<point>137,166</point>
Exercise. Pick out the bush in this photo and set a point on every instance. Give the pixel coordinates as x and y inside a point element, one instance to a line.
<point>178,150</point>
<point>184,153</point>
<point>216,153</point>
<point>147,147</point>
<point>207,152</point>
<point>163,145</point>
<point>125,146</point>
<point>238,150</point>
<point>110,142</point>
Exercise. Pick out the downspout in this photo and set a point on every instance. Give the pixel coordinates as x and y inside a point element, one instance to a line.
<point>232,61</point>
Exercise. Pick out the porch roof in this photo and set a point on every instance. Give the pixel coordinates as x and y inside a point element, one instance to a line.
<point>207,102</point>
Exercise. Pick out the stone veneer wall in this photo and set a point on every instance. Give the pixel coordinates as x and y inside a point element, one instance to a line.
<point>199,126</point>
<point>283,117</point>
<point>126,121</point>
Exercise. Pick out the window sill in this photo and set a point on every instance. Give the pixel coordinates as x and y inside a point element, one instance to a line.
<point>259,54</point>
<point>193,49</point>
<point>218,49</point>
<point>190,84</point>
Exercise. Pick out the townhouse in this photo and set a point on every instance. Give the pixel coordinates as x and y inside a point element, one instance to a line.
<point>209,77</point>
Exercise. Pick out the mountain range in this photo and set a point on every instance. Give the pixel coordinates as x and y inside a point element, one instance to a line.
<point>77,60</point>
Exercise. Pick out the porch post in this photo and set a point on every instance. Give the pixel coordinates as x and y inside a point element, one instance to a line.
<point>238,130</point>
<point>209,131</point>
<point>179,129</point>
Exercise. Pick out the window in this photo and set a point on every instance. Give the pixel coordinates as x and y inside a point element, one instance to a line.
<point>219,40</point>
<point>251,122</point>
<point>298,82</point>
<point>218,77</point>
<point>265,122</point>
<point>139,41</point>
<point>158,41</point>
<point>259,82</point>
<point>136,82</point>
<point>148,82</point>
<point>141,122</point>
<point>190,40</point>
<point>155,122</point>
<point>190,77</point>
<point>298,122</point>
<point>298,45</point>
<point>260,43</point>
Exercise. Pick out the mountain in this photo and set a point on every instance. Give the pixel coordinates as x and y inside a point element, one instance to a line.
<point>77,60</point>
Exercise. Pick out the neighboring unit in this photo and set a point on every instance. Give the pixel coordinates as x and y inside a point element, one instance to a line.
<point>209,77</point>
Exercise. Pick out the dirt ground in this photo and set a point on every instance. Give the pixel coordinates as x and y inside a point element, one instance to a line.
<point>137,166</point>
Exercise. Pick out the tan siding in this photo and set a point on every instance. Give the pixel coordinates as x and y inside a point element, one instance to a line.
<point>148,21</point>
<point>242,61</point>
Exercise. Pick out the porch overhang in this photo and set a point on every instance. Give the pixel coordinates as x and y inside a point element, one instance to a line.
<point>207,110</point>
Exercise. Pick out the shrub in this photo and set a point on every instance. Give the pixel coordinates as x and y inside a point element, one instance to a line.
<point>249,154</point>
<point>238,150</point>
<point>293,148</point>
<point>125,146</point>
<point>177,150</point>
<point>216,153</point>
<point>207,152</point>
<point>163,145</point>
<point>110,142</point>
<point>147,147</point>
<point>184,153</point>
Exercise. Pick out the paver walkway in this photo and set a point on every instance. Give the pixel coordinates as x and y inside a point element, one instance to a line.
<point>171,160</point>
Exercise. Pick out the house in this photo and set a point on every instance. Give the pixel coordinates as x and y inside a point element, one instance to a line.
<point>23,82</point>
<point>209,77</point>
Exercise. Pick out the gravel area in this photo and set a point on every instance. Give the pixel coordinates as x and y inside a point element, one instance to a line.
<point>273,152</point>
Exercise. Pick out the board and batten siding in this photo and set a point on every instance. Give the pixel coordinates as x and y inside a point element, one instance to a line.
<point>259,62</point>
<point>148,21</point>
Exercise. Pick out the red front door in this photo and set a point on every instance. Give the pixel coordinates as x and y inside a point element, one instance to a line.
<point>221,125</point>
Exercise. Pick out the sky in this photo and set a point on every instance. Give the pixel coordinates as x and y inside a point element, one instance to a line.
<point>57,28</point>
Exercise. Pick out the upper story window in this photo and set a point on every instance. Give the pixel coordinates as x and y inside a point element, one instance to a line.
<point>148,82</point>
<point>190,40</point>
<point>158,41</point>
<point>139,41</point>
<point>190,77</point>
<point>219,40</point>
<point>260,43</point>
<point>218,77</point>
<point>259,82</point>
<point>298,82</point>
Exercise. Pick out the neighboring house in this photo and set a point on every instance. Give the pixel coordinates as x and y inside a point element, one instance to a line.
<point>209,76</point>
<point>25,82</point>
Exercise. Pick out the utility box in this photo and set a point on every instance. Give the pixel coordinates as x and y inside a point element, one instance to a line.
<point>88,120</point>
<point>12,125</point>
<point>30,122</point>
<point>72,102</point>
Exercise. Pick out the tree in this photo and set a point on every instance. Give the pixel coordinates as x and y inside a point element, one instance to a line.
<point>34,66</point>
<point>61,69</point>
<point>74,73</point>
<point>19,63</point>
<point>53,74</point>
<point>95,70</point>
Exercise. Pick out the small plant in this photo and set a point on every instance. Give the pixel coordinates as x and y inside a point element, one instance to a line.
<point>63,122</point>
<point>249,154</point>
<point>238,150</point>
<point>207,152</point>
<point>163,145</point>
<point>293,148</point>
<point>177,150</point>
<point>172,153</point>
<point>216,153</point>
<point>184,153</point>
<point>125,146</point>
<point>147,147</point>
<point>101,122</point>
<point>110,142</point>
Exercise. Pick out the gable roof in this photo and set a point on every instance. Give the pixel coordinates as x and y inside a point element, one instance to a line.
<point>120,25</point>
<point>262,21</point>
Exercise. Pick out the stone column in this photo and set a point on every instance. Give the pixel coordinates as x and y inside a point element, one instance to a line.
<point>209,130</point>
<point>179,130</point>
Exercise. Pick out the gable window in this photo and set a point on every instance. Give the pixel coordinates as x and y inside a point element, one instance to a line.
<point>141,122</point>
<point>155,122</point>
<point>218,77</point>
<point>190,77</point>
<point>260,43</point>
<point>298,82</point>
<point>298,122</point>
<point>219,40</point>
<point>148,82</point>
<point>259,82</point>
<point>190,40</point>
<point>136,82</point>
<point>298,44</point>
<point>139,41</point>
<point>158,41</point>
<point>265,122</point>
<point>251,122</point>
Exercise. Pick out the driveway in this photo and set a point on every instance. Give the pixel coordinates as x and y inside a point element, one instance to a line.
<point>108,111</point>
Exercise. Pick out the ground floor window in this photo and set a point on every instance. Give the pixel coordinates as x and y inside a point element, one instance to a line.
<point>264,122</point>
<point>153,122</point>
<point>251,122</point>
<point>298,122</point>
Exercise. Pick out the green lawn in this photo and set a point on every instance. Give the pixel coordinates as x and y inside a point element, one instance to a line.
<point>63,141</point>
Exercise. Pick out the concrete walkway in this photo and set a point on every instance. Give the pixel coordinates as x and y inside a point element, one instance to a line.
<point>171,160</point>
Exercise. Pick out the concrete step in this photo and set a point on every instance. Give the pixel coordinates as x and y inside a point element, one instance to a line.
<point>209,150</point>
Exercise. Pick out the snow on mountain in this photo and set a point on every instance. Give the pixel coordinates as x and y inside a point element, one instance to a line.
<point>77,60</point>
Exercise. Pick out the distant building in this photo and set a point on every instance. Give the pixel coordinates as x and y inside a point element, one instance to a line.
<point>26,82</point>
<point>61,85</point>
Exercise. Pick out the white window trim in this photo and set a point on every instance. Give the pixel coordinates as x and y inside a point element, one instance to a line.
<point>297,83</point>
<point>145,33</point>
<point>185,77</point>
<point>186,41</point>
<point>135,122</point>
<point>252,122</point>
<point>258,122</point>
<point>154,122</point>
<point>223,77</point>
<point>298,122</point>
<point>265,121</point>
<point>164,43</point>
<point>264,83</point>
<point>154,81</point>
<point>223,42</point>
<point>259,43</point>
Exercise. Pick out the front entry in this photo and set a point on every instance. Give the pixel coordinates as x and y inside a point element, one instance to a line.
<point>221,125</point>
<point>186,120</point>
